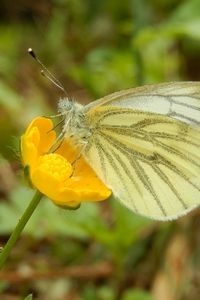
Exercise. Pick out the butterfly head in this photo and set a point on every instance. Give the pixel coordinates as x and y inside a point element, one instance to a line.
<point>75,126</point>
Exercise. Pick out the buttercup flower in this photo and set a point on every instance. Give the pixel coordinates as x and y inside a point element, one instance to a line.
<point>52,173</point>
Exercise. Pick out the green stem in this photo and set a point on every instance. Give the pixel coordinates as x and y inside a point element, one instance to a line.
<point>20,226</point>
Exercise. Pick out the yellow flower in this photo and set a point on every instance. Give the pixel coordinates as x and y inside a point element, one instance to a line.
<point>52,173</point>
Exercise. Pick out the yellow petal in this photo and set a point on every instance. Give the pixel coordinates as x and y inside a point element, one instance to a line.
<point>29,151</point>
<point>47,134</point>
<point>84,184</point>
<point>50,174</point>
<point>37,140</point>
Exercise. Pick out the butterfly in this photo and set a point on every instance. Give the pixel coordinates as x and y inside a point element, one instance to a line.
<point>144,144</point>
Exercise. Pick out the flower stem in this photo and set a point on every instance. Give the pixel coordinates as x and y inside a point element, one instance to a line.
<point>19,227</point>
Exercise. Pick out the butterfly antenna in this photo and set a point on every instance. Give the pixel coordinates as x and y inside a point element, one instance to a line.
<point>46,73</point>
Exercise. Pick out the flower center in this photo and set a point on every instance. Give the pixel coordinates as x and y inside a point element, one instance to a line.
<point>56,165</point>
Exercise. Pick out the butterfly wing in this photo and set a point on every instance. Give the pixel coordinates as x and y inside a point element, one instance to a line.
<point>150,160</point>
<point>179,100</point>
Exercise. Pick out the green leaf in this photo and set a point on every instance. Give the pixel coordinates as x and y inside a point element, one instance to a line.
<point>29,297</point>
<point>137,294</point>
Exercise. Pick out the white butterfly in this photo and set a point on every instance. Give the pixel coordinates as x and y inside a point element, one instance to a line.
<point>144,144</point>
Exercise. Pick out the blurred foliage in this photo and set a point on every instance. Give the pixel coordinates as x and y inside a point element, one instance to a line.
<point>94,48</point>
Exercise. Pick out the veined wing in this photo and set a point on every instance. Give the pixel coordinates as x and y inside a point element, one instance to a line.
<point>179,100</point>
<point>150,161</point>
